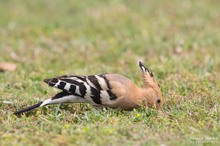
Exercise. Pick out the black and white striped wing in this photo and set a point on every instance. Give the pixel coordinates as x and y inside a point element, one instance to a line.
<point>94,88</point>
<point>71,84</point>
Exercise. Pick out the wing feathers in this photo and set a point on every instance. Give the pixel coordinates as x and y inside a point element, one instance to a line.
<point>102,82</point>
<point>95,96</point>
<point>94,88</point>
<point>111,95</point>
<point>93,81</point>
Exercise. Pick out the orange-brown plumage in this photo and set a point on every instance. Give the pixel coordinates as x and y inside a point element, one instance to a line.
<point>105,90</point>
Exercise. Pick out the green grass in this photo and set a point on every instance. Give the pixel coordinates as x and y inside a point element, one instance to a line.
<point>50,38</point>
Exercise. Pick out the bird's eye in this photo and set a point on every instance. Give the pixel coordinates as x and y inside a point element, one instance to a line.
<point>158,100</point>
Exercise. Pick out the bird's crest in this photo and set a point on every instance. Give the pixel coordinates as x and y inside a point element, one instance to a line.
<point>148,75</point>
<point>145,70</point>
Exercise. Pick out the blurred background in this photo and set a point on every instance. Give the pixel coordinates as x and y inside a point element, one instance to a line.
<point>178,40</point>
<point>72,34</point>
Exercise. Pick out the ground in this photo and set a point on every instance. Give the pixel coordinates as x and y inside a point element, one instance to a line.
<point>177,40</point>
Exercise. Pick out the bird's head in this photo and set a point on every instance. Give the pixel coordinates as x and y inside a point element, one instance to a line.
<point>151,91</point>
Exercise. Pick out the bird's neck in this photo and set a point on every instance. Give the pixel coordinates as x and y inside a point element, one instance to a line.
<point>145,96</point>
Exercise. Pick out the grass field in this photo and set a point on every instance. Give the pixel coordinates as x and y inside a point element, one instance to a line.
<point>178,40</point>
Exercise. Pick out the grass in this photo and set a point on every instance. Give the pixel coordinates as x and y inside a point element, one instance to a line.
<point>178,40</point>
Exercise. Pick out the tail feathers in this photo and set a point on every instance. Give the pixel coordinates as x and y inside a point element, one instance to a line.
<point>28,108</point>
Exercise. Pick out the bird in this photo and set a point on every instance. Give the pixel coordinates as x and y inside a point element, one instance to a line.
<point>104,90</point>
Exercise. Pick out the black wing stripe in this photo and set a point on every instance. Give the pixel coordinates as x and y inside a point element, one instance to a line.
<point>81,78</point>
<point>96,95</point>
<point>53,82</point>
<point>106,81</point>
<point>82,89</point>
<point>71,81</point>
<point>102,82</point>
<point>61,85</point>
<point>111,95</point>
<point>72,88</point>
<point>73,84</point>
<point>61,94</point>
<point>95,82</point>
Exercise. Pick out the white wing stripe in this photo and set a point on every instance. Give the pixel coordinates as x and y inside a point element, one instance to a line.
<point>104,97</point>
<point>67,87</point>
<point>88,92</point>
<point>76,79</point>
<point>102,82</point>
<point>56,85</point>
<point>77,90</point>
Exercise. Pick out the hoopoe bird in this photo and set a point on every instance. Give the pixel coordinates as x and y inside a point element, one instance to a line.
<point>104,90</point>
